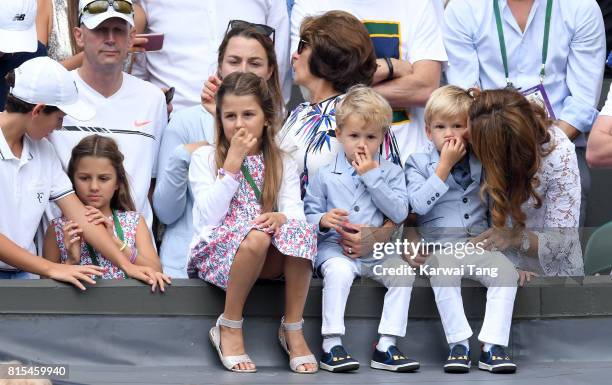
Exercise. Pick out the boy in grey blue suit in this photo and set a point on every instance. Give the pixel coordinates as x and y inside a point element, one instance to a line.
<point>444,191</point>
<point>359,189</point>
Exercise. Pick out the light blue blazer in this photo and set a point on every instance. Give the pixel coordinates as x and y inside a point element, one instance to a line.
<point>380,194</point>
<point>444,210</point>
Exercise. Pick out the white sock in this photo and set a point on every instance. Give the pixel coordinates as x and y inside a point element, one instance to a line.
<point>330,341</point>
<point>464,343</point>
<point>385,342</point>
<point>487,346</point>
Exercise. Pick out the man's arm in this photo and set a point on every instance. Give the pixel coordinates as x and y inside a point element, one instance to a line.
<point>412,89</point>
<point>599,147</point>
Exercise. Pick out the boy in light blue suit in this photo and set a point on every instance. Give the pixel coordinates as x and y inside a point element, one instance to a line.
<point>359,189</point>
<point>444,191</point>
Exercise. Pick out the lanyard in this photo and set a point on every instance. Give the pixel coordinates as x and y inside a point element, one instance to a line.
<point>502,41</point>
<point>249,178</point>
<point>118,229</point>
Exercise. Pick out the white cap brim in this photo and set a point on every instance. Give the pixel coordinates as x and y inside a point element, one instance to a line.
<point>19,41</point>
<point>92,21</point>
<point>79,110</point>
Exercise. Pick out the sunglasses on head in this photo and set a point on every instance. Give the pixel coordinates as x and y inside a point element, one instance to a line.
<point>301,45</point>
<point>261,28</point>
<point>101,6</point>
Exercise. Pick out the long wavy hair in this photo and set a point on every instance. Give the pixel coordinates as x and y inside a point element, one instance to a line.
<point>509,135</point>
<point>102,147</point>
<point>244,84</point>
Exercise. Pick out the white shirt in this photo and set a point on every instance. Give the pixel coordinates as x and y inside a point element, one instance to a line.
<point>416,36</point>
<point>194,29</point>
<point>576,53</point>
<point>135,117</point>
<point>606,110</point>
<point>28,185</point>
<point>212,195</point>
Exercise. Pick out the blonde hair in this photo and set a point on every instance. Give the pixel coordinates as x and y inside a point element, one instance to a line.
<point>446,102</point>
<point>366,103</point>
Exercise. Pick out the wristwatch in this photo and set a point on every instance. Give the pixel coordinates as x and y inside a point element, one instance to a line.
<point>525,243</point>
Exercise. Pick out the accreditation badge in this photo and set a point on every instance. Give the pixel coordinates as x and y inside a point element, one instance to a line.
<point>539,96</point>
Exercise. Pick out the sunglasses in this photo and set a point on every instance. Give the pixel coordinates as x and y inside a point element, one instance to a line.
<point>101,6</point>
<point>169,94</point>
<point>301,45</point>
<point>260,28</point>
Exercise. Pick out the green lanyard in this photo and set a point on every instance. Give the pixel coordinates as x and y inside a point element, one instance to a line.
<point>502,41</point>
<point>249,178</point>
<point>118,229</point>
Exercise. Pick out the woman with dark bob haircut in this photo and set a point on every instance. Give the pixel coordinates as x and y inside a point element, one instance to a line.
<point>334,53</point>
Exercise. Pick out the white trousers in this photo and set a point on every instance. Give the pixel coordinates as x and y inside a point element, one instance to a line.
<point>338,275</point>
<point>501,292</point>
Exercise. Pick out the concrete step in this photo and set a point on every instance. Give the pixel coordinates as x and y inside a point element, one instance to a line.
<point>122,323</point>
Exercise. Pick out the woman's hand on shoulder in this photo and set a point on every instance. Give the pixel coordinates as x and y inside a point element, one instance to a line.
<point>191,147</point>
<point>209,92</point>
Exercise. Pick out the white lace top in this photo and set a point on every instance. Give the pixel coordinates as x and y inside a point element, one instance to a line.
<point>556,222</point>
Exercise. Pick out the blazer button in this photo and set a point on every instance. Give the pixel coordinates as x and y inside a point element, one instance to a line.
<point>437,195</point>
<point>356,208</point>
<point>465,200</point>
<point>466,216</point>
<point>433,199</point>
<point>428,202</point>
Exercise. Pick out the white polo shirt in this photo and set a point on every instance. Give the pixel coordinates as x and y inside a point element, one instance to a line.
<point>28,184</point>
<point>135,117</point>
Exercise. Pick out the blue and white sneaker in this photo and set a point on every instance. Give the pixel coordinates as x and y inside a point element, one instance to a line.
<point>458,360</point>
<point>496,361</point>
<point>393,360</point>
<point>338,360</point>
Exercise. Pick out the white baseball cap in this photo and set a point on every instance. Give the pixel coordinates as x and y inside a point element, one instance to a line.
<point>92,20</point>
<point>42,80</point>
<point>18,26</point>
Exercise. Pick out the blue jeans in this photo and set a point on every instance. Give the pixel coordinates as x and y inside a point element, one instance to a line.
<point>17,275</point>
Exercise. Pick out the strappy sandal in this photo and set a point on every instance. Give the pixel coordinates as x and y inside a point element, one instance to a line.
<point>229,361</point>
<point>296,361</point>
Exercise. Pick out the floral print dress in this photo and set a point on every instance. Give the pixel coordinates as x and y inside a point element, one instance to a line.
<point>212,260</point>
<point>129,224</point>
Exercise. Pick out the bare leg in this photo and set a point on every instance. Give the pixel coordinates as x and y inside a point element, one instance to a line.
<point>245,270</point>
<point>298,272</point>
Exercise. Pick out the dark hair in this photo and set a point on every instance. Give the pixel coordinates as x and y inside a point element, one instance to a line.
<point>251,32</point>
<point>245,84</point>
<point>102,147</point>
<point>16,105</point>
<point>510,136</point>
<point>342,52</point>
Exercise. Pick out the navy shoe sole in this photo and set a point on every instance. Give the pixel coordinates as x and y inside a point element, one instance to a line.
<point>409,367</point>
<point>340,368</point>
<point>500,368</point>
<point>457,368</point>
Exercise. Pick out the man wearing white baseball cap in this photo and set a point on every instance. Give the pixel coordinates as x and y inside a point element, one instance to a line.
<point>17,38</point>
<point>31,176</point>
<point>129,110</point>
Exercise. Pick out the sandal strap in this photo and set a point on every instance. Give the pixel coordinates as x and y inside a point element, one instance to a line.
<point>292,326</point>
<point>233,324</point>
<point>235,360</point>
<point>297,361</point>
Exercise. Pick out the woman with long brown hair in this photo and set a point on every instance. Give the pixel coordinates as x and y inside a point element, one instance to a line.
<point>532,181</point>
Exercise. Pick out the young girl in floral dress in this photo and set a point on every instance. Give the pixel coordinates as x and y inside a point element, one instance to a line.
<point>249,220</point>
<point>99,179</point>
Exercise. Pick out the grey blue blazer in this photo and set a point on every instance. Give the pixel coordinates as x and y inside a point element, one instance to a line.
<point>444,210</point>
<point>369,199</point>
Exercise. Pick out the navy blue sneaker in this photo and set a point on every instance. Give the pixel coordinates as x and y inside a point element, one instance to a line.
<point>338,360</point>
<point>393,360</point>
<point>458,360</point>
<point>496,361</point>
